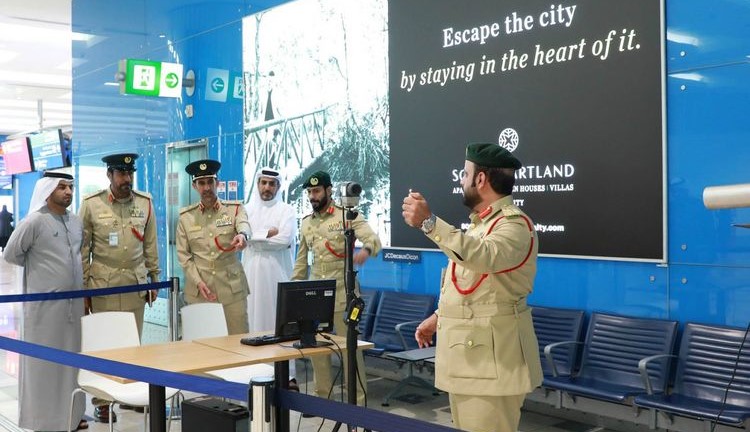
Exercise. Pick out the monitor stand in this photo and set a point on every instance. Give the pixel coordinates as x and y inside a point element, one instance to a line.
<point>307,336</point>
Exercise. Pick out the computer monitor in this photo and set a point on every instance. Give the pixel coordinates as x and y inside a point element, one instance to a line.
<point>304,308</point>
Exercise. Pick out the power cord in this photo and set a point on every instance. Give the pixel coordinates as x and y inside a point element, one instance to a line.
<point>302,355</point>
<point>731,379</point>
<point>337,352</point>
<point>359,380</point>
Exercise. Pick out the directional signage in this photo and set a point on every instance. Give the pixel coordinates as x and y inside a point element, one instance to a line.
<point>238,90</point>
<point>151,78</point>
<point>217,84</point>
<point>171,80</point>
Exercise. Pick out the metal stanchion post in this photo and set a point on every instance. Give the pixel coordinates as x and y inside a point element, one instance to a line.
<point>173,294</point>
<point>260,399</point>
<point>174,291</point>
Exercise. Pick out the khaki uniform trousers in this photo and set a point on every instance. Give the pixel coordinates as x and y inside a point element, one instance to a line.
<point>322,376</point>
<point>236,316</point>
<point>486,413</point>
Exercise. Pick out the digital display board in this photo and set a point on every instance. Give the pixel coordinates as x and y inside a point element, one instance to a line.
<point>5,180</point>
<point>17,155</point>
<point>48,150</point>
<point>574,89</point>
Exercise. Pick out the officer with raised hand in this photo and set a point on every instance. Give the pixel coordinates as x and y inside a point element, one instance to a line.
<point>487,357</point>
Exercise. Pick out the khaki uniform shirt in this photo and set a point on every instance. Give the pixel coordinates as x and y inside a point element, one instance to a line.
<point>486,344</point>
<point>119,247</point>
<point>322,246</point>
<point>204,236</point>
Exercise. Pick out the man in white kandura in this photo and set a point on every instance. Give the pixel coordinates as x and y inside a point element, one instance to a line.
<point>269,255</point>
<point>47,244</point>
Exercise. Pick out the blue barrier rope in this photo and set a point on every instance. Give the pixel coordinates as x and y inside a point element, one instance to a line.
<point>354,415</point>
<point>332,410</point>
<point>182,381</point>
<point>12,298</point>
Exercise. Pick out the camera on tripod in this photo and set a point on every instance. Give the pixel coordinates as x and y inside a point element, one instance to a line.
<point>350,192</point>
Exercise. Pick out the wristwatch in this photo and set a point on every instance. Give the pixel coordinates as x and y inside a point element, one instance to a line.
<point>244,234</point>
<point>428,224</point>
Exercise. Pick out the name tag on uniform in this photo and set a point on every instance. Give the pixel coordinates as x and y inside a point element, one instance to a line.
<point>114,240</point>
<point>195,228</point>
<point>310,257</point>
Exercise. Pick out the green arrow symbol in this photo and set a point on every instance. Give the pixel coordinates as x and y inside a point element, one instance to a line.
<point>171,80</point>
<point>217,85</point>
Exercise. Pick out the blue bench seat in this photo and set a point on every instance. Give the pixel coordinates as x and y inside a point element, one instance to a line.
<point>613,347</point>
<point>553,325</point>
<point>706,364</point>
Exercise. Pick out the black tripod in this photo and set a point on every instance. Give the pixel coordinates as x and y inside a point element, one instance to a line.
<point>355,305</point>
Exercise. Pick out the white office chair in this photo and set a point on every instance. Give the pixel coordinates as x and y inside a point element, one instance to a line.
<point>109,330</point>
<point>205,320</point>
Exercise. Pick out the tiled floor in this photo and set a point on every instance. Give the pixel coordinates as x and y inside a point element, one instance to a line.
<point>382,377</point>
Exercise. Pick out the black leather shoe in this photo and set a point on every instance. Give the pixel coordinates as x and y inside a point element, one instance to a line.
<point>101,414</point>
<point>293,385</point>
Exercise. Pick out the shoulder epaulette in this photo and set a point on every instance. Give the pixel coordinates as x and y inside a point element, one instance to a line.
<point>188,208</point>
<point>141,194</point>
<point>99,192</point>
<point>511,211</point>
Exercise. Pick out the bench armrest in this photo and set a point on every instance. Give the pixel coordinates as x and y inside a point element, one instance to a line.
<point>551,359</point>
<point>401,334</point>
<point>642,368</point>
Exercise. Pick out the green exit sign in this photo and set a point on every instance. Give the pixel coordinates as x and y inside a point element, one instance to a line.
<point>151,78</point>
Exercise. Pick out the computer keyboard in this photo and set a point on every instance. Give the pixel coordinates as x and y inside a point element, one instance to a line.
<point>266,339</point>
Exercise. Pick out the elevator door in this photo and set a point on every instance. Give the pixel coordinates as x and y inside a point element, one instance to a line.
<point>180,192</point>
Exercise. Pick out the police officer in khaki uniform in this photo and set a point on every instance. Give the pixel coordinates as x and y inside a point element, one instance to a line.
<point>210,233</point>
<point>487,356</point>
<point>321,252</point>
<point>119,240</point>
<point>119,245</point>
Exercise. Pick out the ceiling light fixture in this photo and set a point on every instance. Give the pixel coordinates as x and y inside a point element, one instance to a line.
<point>32,78</point>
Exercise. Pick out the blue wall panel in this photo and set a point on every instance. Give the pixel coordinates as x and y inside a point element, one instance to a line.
<point>708,33</point>
<point>200,35</point>
<point>423,278</point>
<point>708,146</point>
<point>628,288</point>
<point>710,294</point>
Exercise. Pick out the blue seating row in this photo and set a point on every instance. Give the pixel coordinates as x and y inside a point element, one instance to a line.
<point>390,318</point>
<point>630,361</point>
